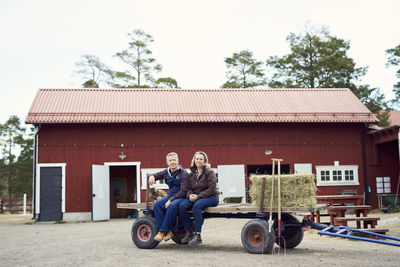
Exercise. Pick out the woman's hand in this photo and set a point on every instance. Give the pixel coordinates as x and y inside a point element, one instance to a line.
<point>193,197</point>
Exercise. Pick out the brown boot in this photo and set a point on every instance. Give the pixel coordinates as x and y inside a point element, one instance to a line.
<point>159,236</point>
<point>168,236</point>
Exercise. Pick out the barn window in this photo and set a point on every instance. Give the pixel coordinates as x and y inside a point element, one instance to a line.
<point>325,176</point>
<point>349,175</point>
<point>383,185</point>
<point>337,175</point>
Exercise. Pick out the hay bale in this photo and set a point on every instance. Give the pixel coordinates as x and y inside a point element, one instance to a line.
<point>297,190</point>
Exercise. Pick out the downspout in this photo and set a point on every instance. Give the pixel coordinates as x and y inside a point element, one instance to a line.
<point>366,187</point>
<point>35,157</point>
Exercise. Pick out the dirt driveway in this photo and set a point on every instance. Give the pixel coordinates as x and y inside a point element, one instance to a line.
<point>109,244</point>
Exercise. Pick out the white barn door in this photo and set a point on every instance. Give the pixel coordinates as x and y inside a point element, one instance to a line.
<point>100,192</point>
<point>231,182</point>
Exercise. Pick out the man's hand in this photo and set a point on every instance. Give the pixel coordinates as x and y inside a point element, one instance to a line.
<point>167,203</point>
<point>193,197</point>
<point>152,180</point>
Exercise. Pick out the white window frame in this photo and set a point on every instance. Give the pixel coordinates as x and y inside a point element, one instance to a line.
<point>160,184</point>
<point>383,185</point>
<point>341,168</point>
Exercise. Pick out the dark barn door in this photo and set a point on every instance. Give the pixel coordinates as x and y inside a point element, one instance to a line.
<point>50,194</point>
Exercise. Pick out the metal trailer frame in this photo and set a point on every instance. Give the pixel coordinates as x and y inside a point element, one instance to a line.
<point>351,233</point>
<point>256,235</point>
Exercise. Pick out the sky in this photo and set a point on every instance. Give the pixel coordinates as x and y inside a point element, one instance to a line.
<point>41,40</point>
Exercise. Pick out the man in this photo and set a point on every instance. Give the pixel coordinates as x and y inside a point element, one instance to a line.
<point>166,209</point>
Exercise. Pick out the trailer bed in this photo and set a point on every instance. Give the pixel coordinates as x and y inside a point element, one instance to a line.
<point>225,208</point>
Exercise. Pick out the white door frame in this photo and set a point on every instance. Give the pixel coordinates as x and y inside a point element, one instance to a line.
<point>132,163</point>
<point>37,195</point>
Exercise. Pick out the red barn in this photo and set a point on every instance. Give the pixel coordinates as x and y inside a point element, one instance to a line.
<point>383,168</point>
<point>95,146</point>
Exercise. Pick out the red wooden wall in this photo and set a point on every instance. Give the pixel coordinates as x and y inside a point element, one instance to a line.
<point>81,145</point>
<point>382,161</point>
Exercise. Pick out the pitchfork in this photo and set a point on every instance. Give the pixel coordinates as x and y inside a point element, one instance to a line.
<point>280,239</point>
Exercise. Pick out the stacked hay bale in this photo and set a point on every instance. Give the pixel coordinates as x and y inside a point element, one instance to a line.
<point>297,190</point>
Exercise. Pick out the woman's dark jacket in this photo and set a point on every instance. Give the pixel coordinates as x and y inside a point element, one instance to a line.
<point>203,186</point>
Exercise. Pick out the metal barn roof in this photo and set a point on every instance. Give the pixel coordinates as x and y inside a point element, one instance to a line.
<point>196,105</point>
<point>394,118</point>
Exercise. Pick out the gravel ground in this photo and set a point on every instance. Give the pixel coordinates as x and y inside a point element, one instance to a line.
<point>109,244</point>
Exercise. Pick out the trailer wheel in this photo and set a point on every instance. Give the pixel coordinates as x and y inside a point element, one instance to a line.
<point>143,232</point>
<point>256,237</point>
<point>292,235</point>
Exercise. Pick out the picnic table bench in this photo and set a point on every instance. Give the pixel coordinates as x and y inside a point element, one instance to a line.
<point>366,221</point>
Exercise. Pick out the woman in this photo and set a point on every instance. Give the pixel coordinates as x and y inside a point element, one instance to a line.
<point>202,193</point>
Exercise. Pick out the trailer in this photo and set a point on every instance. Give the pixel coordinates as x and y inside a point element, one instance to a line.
<point>257,235</point>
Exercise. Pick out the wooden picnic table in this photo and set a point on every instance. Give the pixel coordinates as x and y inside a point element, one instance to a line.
<point>338,200</point>
<point>339,211</point>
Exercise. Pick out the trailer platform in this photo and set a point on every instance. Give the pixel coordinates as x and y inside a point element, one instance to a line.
<point>258,234</point>
<point>226,208</point>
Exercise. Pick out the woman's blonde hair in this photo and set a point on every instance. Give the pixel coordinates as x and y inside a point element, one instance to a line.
<point>206,164</point>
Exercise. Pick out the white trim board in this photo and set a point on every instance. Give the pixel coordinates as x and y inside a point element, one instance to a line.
<point>77,216</point>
